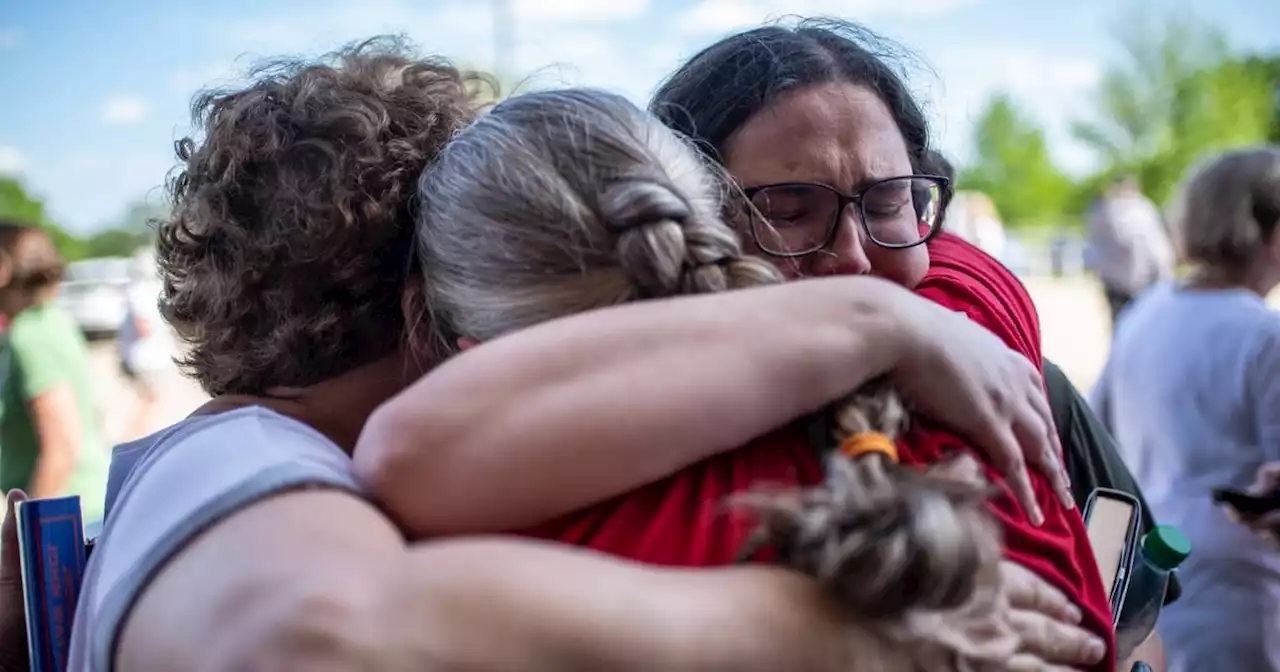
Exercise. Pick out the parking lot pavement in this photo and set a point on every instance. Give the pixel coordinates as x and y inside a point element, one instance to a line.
<point>1075,325</point>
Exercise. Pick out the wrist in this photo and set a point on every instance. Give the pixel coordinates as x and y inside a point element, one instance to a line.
<point>881,317</point>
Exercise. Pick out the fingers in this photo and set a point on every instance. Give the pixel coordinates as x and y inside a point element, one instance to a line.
<point>1046,624</point>
<point>1008,459</point>
<point>1026,591</point>
<point>1267,479</point>
<point>1047,456</point>
<point>10,559</point>
<point>1268,526</point>
<point>1056,642</point>
<point>1039,440</point>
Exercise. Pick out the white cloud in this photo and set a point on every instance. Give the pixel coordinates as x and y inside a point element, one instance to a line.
<point>718,16</point>
<point>11,161</point>
<point>10,38</point>
<point>124,110</point>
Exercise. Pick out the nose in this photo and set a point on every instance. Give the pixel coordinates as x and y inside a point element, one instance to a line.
<point>847,254</point>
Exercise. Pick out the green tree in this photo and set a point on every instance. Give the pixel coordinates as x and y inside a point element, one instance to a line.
<point>1178,93</point>
<point>1014,167</point>
<point>17,204</point>
<point>114,242</point>
<point>132,232</point>
<point>1268,68</point>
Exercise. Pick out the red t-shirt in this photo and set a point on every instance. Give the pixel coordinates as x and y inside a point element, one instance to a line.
<point>681,520</point>
<point>964,278</point>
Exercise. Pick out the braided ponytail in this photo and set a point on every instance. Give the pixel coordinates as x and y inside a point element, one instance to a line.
<point>668,248</point>
<point>562,201</point>
<point>886,539</point>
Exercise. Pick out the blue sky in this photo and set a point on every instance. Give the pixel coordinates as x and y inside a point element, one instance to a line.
<point>97,92</point>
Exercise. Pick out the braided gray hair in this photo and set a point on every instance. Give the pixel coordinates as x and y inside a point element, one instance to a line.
<point>558,202</point>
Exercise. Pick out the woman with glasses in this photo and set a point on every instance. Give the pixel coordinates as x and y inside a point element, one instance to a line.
<point>832,186</point>
<point>519,230</point>
<point>821,132</point>
<point>799,219</point>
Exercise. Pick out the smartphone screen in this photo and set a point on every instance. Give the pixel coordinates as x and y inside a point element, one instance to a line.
<point>1110,523</point>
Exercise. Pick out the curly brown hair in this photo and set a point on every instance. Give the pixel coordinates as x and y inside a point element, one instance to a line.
<point>287,251</point>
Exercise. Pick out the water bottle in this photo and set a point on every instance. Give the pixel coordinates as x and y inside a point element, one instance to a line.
<point>1160,552</point>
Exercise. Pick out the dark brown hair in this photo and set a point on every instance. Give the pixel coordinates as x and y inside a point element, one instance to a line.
<point>29,261</point>
<point>285,257</point>
<point>558,202</point>
<point>720,88</point>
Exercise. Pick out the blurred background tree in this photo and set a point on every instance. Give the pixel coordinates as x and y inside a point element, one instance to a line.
<point>131,232</point>
<point>1178,92</point>
<point>122,238</point>
<point>17,204</point>
<point>1013,166</point>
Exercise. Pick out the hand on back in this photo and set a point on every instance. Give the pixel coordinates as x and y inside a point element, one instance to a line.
<point>959,374</point>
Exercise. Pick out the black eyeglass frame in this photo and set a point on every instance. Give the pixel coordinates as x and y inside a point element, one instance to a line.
<point>944,189</point>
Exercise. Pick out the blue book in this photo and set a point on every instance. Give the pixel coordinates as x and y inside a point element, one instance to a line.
<point>52,545</point>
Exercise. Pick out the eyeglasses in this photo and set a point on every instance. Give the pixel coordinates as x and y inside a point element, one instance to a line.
<point>793,219</point>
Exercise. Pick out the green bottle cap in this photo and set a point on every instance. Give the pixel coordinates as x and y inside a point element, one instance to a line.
<point>1165,547</point>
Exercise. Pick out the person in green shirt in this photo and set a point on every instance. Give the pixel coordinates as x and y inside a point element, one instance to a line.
<point>50,441</point>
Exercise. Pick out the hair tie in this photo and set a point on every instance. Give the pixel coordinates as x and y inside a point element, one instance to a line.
<point>869,442</point>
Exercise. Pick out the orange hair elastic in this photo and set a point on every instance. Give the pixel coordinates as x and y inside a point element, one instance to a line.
<point>869,442</point>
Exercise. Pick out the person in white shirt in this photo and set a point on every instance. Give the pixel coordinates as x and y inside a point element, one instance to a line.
<point>1128,244</point>
<point>1192,393</point>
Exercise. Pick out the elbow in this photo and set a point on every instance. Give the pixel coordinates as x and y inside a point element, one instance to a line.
<point>381,450</point>
<point>402,467</point>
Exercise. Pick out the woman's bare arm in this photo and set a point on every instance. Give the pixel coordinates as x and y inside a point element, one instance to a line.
<point>329,585</point>
<point>56,418</point>
<point>580,409</point>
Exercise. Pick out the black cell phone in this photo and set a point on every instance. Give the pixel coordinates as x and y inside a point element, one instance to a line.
<point>1250,506</point>
<point>1114,522</point>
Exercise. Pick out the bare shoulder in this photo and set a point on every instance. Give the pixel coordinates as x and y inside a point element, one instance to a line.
<point>300,550</point>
